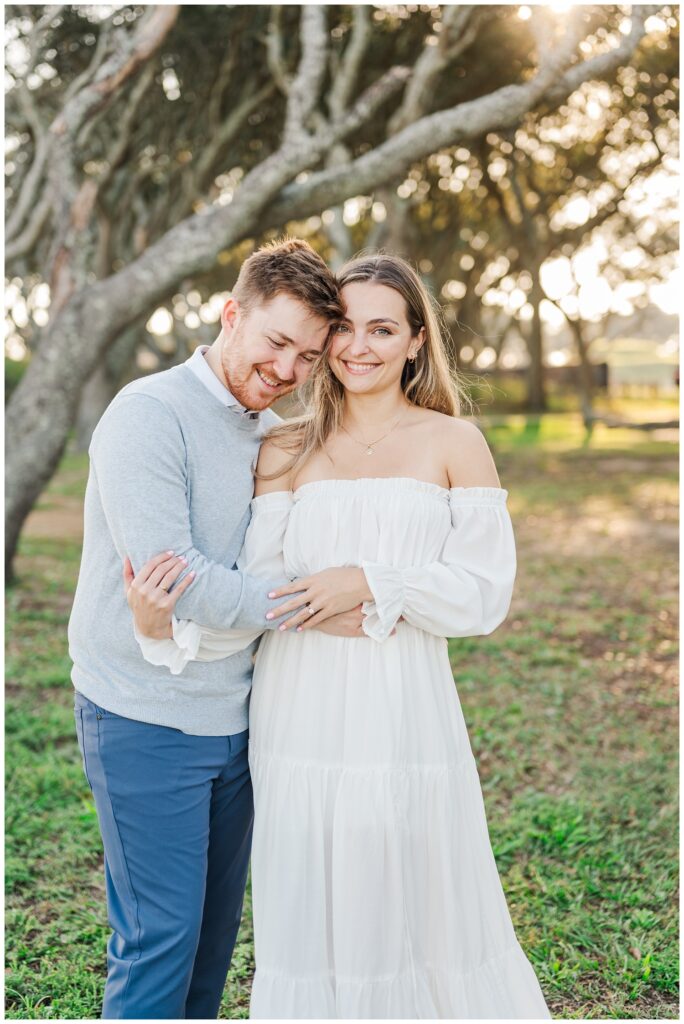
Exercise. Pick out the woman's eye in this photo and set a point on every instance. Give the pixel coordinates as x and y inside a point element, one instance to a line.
<point>277,344</point>
<point>382,330</point>
<point>308,359</point>
<point>342,329</point>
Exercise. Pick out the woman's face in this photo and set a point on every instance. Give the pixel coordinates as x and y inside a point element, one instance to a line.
<point>370,347</point>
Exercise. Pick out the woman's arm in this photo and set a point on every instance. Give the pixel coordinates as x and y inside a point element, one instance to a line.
<point>467,592</point>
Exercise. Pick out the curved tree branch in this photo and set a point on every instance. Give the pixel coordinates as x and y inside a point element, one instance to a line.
<point>345,79</point>
<point>124,62</point>
<point>23,242</point>
<point>304,90</point>
<point>501,109</point>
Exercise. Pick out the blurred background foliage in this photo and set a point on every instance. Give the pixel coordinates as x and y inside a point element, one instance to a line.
<point>550,241</point>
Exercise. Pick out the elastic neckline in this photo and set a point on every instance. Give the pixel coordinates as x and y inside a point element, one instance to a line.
<point>454,495</point>
<point>376,481</point>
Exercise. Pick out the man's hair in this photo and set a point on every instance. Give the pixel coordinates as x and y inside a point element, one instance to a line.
<point>290,266</point>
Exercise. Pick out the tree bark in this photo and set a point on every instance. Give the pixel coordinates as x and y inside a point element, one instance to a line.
<point>109,376</point>
<point>97,393</point>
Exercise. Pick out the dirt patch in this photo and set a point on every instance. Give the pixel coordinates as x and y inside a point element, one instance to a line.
<point>62,519</point>
<point>594,534</point>
<point>635,467</point>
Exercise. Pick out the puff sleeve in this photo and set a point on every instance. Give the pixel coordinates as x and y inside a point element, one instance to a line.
<point>468,591</point>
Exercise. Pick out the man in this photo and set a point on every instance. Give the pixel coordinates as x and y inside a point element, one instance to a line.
<point>171,463</point>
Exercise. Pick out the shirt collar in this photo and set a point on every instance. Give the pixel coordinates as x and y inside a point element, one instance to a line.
<point>200,367</point>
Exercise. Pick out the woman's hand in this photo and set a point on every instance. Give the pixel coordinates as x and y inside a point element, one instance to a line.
<point>324,594</point>
<point>148,594</point>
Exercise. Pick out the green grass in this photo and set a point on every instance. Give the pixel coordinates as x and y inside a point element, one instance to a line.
<point>571,708</point>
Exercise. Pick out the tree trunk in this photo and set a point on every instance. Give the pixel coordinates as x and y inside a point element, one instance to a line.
<point>95,397</point>
<point>536,391</point>
<point>394,233</point>
<point>42,410</point>
<point>110,375</point>
<point>586,371</point>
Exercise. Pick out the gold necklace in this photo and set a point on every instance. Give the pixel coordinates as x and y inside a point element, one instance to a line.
<point>369,445</point>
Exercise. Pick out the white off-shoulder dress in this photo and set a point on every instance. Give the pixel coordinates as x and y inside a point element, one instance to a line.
<point>375,889</point>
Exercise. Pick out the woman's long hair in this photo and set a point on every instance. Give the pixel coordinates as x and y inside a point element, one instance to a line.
<point>431,381</point>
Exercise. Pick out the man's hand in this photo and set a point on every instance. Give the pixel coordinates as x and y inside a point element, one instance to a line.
<point>323,595</point>
<point>148,594</point>
<point>344,624</point>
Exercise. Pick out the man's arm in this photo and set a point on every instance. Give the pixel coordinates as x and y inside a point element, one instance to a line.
<point>138,457</point>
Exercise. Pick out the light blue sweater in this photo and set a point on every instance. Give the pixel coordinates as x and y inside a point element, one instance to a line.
<point>171,468</point>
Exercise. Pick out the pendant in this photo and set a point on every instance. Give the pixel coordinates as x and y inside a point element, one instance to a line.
<point>369,450</point>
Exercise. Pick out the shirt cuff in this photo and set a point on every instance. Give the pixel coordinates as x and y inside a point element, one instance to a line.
<point>386,584</point>
<point>172,654</point>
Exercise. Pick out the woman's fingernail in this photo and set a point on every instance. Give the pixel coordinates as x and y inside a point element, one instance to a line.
<point>191,574</point>
<point>281,628</point>
<point>300,629</point>
<point>169,552</point>
<point>269,615</point>
<point>184,561</point>
<point>272,594</point>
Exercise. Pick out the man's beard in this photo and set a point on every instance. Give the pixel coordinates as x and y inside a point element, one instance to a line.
<point>239,387</point>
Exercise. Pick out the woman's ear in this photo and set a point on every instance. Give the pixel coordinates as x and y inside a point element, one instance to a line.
<point>420,341</point>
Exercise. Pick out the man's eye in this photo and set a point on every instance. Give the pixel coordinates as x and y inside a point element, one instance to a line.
<point>277,344</point>
<point>341,328</point>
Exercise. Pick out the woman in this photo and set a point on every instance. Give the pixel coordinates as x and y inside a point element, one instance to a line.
<point>375,890</point>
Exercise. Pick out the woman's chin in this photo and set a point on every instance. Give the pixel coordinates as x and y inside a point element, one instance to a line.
<point>363,386</point>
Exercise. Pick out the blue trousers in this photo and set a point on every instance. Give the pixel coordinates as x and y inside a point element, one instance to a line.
<point>175,813</point>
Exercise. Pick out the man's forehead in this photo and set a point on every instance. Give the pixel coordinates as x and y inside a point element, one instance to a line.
<point>283,304</point>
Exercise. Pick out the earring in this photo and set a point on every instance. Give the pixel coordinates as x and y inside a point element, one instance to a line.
<point>412,357</point>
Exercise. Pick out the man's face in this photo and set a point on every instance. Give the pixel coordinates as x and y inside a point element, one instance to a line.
<point>269,351</point>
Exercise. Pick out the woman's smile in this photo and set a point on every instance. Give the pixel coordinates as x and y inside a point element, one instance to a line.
<point>359,368</point>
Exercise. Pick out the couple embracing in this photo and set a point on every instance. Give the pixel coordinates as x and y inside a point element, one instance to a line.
<point>352,540</point>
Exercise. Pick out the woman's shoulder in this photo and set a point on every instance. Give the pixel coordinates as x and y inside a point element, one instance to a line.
<point>273,471</point>
<point>452,429</point>
<point>464,449</point>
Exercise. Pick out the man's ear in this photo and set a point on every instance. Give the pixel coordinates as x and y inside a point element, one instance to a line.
<point>229,315</point>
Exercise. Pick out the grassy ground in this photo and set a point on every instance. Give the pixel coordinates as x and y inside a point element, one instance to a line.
<point>571,708</point>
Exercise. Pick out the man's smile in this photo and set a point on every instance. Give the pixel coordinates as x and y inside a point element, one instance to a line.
<point>270,382</point>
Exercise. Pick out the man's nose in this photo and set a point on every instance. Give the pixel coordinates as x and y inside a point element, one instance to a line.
<point>284,365</point>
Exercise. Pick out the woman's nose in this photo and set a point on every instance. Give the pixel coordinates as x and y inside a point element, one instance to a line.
<point>359,344</point>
